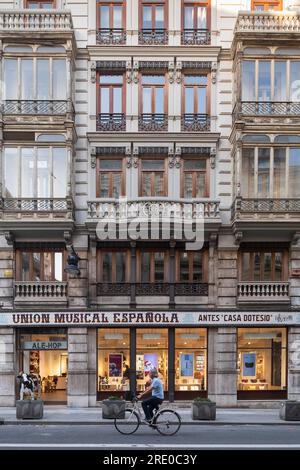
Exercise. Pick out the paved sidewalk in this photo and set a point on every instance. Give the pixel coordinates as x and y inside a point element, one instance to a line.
<point>61,415</point>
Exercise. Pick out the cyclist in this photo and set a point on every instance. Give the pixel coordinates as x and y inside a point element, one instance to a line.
<point>157,391</point>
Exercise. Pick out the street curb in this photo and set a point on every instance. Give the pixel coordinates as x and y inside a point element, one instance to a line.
<point>111,423</point>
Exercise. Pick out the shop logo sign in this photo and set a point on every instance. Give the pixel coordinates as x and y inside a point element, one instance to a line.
<point>152,220</point>
<point>44,345</point>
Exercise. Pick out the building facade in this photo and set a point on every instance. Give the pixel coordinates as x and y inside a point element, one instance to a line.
<point>167,107</point>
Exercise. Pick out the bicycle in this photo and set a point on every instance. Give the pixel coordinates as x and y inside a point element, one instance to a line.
<point>166,421</point>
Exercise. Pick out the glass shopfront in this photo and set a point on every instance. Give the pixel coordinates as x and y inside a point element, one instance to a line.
<point>262,363</point>
<point>43,353</point>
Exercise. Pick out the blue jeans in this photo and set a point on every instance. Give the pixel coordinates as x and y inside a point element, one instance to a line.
<point>150,405</point>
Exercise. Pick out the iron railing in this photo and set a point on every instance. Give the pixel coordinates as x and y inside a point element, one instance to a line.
<point>195,123</point>
<point>152,37</point>
<point>195,37</point>
<point>153,122</point>
<point>111,36</point>
<point>113,122</point>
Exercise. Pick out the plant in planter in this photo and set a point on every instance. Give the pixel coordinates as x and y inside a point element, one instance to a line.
<point>112,407</point>
<point>203,408</point>
<point>290,410</point>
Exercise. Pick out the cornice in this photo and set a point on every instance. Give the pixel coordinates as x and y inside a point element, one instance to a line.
<point>137,137</point>
<point>154,51</point>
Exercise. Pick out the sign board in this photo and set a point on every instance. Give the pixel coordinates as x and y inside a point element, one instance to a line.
<point>44,345</point>
<point>155,318</point>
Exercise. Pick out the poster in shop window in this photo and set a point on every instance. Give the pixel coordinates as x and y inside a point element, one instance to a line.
<point>115,362</point>
<point>186,365</point>
<point>249,364</point>
<point>150,362</point>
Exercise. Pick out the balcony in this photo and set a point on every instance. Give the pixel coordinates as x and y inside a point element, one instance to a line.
<point>40,293</point>
<point>264,23</point>
<point>259,292</point>
<point>115,122</point>
<point>153,123</point>
<point>153,37</point>
<point>195,123</point>
<point>256,109</point>
<point>265,209</point>
<point>39,107</point>
<point>35,21</point>
<point>195,37</point>
<point>111,36</point>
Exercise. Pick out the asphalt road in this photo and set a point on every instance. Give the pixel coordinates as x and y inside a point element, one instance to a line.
<point>189,437</point>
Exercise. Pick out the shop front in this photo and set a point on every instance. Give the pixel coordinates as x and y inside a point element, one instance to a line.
<point>43,353</point>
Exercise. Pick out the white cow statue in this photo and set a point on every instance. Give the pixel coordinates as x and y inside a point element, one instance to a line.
<point>26,385</point>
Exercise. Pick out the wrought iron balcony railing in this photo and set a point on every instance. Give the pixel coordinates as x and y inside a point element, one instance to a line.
<point>152,37</point>
<point>154,288</point>
<point>256,292</point>
<point>153,122</point>
<point>40,291</point>
<point>36,204</point>
<point>35,20</point>
<point>163,209</point>
<point>266,108</point>
<point>115,122</point>
<point>45,107</point>
<point>262,208</point>
<point>195,37</point>
<point>111,36</point>
<point>195,123</point>
<point>267,22</point>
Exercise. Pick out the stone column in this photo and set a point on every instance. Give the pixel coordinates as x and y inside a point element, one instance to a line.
<point>78,286</point>
<point>7,367</point>
<point>6,271</point>
<point>227,271</point>
<point>222,370</point>
<point>295,271</point>
<point>294,363</point>
<point>92,339</point>
<point>78,375</point>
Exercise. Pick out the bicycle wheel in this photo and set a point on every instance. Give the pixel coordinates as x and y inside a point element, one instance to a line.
<point>128,422</point>
<point>167,422</point>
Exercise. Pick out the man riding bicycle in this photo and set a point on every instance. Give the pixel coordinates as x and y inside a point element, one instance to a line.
<point>157,389</point>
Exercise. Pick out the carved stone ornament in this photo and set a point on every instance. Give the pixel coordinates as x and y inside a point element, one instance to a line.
<point>214,68</point>
<point>171,72</point>
<point>135,72</point>
<point>68,238</point>
<point>213,153</point>
<point>9,237</point>
<point>238,237</point>
<point>174,157</point>
<point>128,71</point>
<point>178,72</point>
<point>133,157</point>
<point>93,157</point>
<point>93,72</point>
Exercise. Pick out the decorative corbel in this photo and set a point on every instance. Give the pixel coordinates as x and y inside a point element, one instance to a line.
<point>68,238</point>
<point>128,71</point>
<point>93,157</point>
<point>214,68</point>
<point>9,237</point>
<point>238,237</point>
<point>132,157</point>
<point>174,157</point>
<point>93,72</point>
<point>178,72</point>
<point>296,239</point>
<point>171,71</point>
<point>212,244</point>
<point>135,72</point>
<point>213,153</point>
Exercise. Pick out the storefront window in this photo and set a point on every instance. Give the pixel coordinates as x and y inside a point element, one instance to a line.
<point>45,356</point>
<point>261,359</point>
<point>113,360</point>
<point>152,352</point>
<point>190,359</point>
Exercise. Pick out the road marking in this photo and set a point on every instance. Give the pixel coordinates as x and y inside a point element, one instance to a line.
<point>155,446</point>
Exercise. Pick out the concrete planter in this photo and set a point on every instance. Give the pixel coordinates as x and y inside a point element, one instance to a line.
<point>290,411</point>
<point>205,410</point>
<point>29,409</point>
<point>112,408</point>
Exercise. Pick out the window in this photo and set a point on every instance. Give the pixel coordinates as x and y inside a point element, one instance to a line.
<point>190,359</point>
<point>264,266</point>
<point>191,266</point>
<point>195,177</point>
<point>40,5</point>
<point>153,103</point>
<point>195,102</point>
<point>270,172</point>
<point>35,79</point>
<point>113,360</point>
<point>110,178</point>
<point>152,266</point>
<point>35,172</point>
<point>196,22</point>
<point>270,80</point>
<point>153,22</point>
<point>266,5</point>
<point>153,177</point>
<point>261,359</point>
<point>151,352</point>
<point>111,22</point>
<point>113,266</point>
<point>111,102</point>
<point>35,266</point>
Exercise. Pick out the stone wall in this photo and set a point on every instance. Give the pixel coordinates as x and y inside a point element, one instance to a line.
<point>7,367</point>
